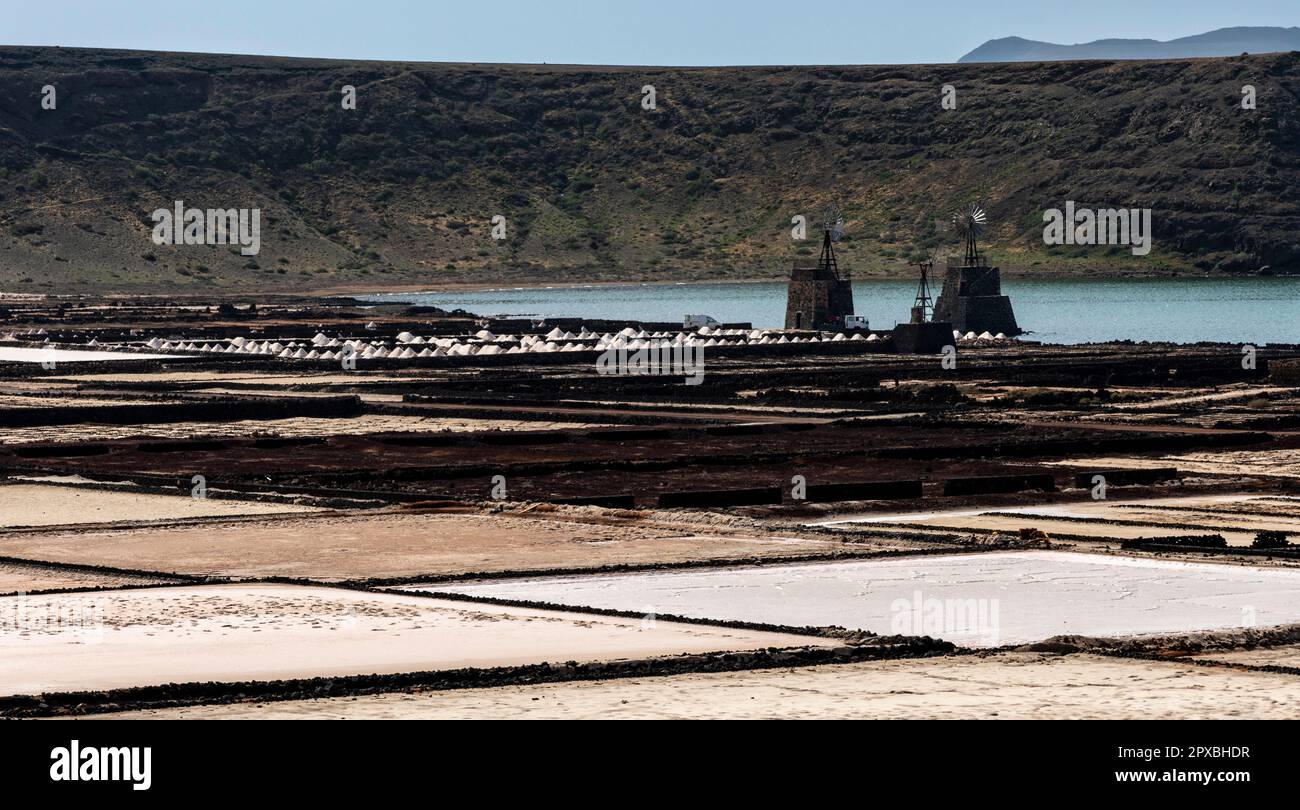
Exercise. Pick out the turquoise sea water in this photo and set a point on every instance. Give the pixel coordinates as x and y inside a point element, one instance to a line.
<point>1248,310</point>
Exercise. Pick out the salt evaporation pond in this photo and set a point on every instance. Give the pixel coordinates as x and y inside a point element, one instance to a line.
<point>33,354</point>
<point>1018,597</point>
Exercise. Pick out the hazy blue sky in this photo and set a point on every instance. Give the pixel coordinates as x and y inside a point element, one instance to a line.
<point>642,32</point>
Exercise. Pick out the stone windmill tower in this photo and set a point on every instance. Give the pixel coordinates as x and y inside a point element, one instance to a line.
<point>972,299</point>
<point>821,297</point>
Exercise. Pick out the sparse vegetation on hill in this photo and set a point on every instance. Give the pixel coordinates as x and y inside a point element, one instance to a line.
<point>401,191</point>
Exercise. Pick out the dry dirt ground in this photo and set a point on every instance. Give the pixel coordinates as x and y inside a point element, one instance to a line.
<point>19,578</point>
<point>344,547</point>
<point>287,428</point>
<point>1282,463</point>
<point>1284,656</point>
<point>1005,686</point>
<point>50,505</point>
<point>1237,517</point>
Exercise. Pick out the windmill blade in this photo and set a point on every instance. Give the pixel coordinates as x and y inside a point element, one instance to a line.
<point>833,222</point>
<point>970,221</point>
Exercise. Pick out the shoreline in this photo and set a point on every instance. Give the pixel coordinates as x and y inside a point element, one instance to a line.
<point>466,287</point>
<point>482,287</point>
<point>453,287</point>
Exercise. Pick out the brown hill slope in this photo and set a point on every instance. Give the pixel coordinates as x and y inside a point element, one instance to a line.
<point>401,190</point>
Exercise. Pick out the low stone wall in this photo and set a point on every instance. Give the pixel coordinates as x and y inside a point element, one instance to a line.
<point>997,484</point>
<point>865,491</point>
<point>1127,478</point>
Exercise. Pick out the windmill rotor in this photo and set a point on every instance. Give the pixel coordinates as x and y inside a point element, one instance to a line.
<point>832,231</point>
<point>969,224</point>
<point>833,222</point>
<point>970,221</point>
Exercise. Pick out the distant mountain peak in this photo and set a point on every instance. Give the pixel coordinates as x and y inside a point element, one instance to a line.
<point>1223,42</point>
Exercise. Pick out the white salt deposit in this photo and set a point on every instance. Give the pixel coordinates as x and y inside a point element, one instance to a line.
<point>1014,597</point>
<point>24,354</point>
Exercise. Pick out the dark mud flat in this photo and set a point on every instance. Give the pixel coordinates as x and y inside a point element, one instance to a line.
<point>576,464</point>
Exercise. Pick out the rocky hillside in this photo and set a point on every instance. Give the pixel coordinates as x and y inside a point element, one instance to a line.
<point>402,190</point>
